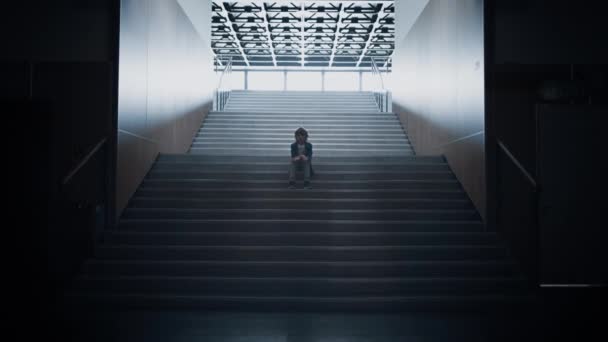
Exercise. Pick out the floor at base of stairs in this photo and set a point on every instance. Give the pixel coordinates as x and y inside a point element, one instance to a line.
<point>182,326</point>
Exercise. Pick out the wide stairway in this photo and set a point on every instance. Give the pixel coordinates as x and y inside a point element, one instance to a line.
<point>339,124</point>
<point>382,229</point>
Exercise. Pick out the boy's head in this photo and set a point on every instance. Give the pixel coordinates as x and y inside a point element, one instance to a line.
<point>301,135</point>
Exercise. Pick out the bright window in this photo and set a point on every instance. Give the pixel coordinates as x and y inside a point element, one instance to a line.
<point>265,80</point>
<point>237,80</point>
<point>372,81</point>
<point>345,81</point>
<point>304,81</point>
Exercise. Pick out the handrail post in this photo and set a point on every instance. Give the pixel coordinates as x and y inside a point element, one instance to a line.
<point>221,96</point>
<point>382,96</point>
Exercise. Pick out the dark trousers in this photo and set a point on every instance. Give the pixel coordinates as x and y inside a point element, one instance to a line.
<point>299,165</point>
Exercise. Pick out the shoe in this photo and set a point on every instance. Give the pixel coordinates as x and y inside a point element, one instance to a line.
<point>307,185</point>
<point>292,185</point>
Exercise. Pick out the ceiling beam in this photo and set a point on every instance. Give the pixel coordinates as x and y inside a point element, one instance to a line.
<point>371,35</point>
<point>236,38</point>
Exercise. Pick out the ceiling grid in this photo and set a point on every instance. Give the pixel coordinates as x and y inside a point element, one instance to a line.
<point>304,34</point>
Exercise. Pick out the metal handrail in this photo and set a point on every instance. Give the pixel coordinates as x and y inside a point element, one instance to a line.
<point>83,161</point>
<point>382,96</point>
<point>221,95</point>
<point>227,70</point>
<point>518,164</point>
<point>376,70</point>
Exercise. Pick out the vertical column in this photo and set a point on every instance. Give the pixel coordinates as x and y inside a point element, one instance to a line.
<point>246,79</point>
<point>284,80</point>
<point>360,80</point>
<point>323,80</point>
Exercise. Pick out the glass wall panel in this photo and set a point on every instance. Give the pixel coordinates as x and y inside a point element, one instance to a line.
<point>345,81</point>
<point>265,80</point>
<point>237,80</point>
<point>304,80</point>
<point>372,82</point>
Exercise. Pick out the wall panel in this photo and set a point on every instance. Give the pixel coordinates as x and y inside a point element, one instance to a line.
<point>166,84</point>
<point>438,87</point>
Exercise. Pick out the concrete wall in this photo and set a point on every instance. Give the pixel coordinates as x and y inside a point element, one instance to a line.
<point>165,84</point>
<point>438,86</point>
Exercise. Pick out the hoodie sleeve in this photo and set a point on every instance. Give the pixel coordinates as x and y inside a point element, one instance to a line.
<point>294,150</point>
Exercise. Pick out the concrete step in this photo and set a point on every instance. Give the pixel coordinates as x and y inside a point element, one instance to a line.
<point>353,101</point>
<point>295,94</point>
<point>227,117</point>
<point>303,121</point>
<point>317,160</point>
<point>300,94</point>
<point>291,127</point>
<point>296,114</point>
<point>473,303</point>
<point>294,225</point>
<point>312,127</point>
<point>318,167</point>
<point>303,96</point>
<point>300,253</point>
<point>373,116</point>
<point>327,153</point>
<point>301,103</point>
<point>238,173</point>
<point>312,131</point>
<point>298,238</point>
<point>298,110</point>
<point>285,147</point>
<point>297,286</point>
<point>339,119</point>
<point>318,148</point>
<point>286,101</point>
<point>318,143</point>
<point>253,184</point>
<point>436,268</point>
<point>303,214</point>
<point>298,203</point>
<point>296,97</point>
<point>303,107</point>
<point>287,141</point>
<point>269,193</point>
<point>288,137</point>
<point>269,100</point>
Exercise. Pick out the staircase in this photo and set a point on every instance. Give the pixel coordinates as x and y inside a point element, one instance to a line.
<point>381,230</point>
<point>340,124</point>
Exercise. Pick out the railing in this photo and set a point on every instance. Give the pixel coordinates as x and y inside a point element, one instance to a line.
<point>383,97</point>
<point>71,193</point>
<point>535,210</point>
<point>520,167</point>
<point>222,92</point>
<point>68,177</point>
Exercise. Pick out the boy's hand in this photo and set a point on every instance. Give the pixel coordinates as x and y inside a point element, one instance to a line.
<point>296,158</point>
<point>303,157</point>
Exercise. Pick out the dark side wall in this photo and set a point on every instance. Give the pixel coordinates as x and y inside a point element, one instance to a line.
<point>437,83</point>
<point>166,83</point>
<point>545,60</point>
<point>58,90</point>
<point>546,97</point>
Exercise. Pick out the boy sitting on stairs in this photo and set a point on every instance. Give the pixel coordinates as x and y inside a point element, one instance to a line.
<point>301,156</point>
